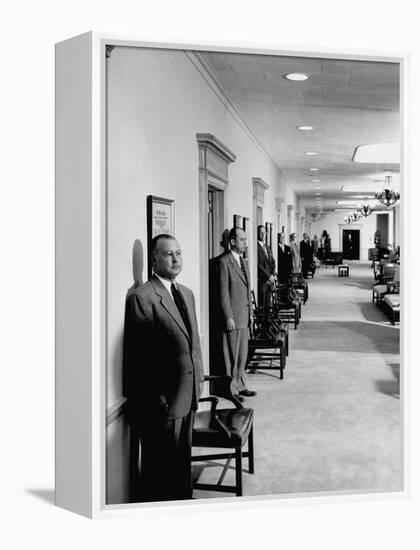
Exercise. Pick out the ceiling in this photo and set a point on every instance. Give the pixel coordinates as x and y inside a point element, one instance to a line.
<point>349,103</point>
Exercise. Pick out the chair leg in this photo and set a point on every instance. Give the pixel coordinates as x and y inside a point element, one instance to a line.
<point>251,451</point>
<point>238,471</point>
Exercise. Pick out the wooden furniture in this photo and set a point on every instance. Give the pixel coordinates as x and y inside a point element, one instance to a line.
<point>334,258</point>
<point>224,428</point>
<point>268,345</point>
<point>391,305</point>
<point>343,270</point>
<point>285,306</point>
<point>299,285</point>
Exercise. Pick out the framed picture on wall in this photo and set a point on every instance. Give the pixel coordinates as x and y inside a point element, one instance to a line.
<point>160,220</point>
<point>153,150</point>
<point>237,221</point>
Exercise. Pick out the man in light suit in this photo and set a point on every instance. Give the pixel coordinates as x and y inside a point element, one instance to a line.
<point>284,260</point>
<point>235,303</point>
<point>163,374</point>
<point>266,268</point>
<point>296,260</point>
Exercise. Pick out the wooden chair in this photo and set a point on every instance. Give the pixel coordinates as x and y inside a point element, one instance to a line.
<point>298,283</point>
<point>286,306</point>
<point>268,344</point>
<point>391,300</point>
<point>224,428</point>
<point>391,274</point>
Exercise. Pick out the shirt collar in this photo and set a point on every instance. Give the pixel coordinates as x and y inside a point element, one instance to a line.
<point>236,256</point>
<point>166,284</point>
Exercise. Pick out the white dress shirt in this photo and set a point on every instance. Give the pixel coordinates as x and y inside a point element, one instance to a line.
<point>167,284</point>
<point>237,257</point>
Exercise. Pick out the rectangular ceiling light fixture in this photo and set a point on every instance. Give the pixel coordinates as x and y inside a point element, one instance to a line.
<point>378,153</point>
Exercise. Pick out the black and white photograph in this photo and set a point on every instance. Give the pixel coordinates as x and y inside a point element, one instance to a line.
<point>210,210</point>
<point>252,322</point>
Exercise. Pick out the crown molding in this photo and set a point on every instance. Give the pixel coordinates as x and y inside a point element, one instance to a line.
<point>211,79</point>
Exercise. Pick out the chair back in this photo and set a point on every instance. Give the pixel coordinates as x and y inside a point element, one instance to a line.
<point>389,271</point>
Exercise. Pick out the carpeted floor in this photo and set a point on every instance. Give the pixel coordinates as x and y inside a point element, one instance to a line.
<point>333,423</point>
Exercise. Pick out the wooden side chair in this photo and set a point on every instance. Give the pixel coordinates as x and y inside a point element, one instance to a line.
<point>285,306</point>
<point>268,344</point>
<point>224,428</point>
<point>391,274</point>
<point>298,283</point>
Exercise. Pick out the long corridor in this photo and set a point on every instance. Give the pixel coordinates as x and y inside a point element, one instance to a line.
<point>333,423</point>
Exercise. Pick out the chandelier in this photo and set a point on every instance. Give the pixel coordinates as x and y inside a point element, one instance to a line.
<point>365,210</point>
<point>387,196</point>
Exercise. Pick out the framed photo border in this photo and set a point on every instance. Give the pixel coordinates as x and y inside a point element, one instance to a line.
<point>151,200</point>
<point>90,52</point>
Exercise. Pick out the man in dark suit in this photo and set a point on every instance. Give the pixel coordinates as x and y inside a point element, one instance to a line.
<point>163,374</point>
<point>306,253</point>
<point>235,303</point>
<point>266,269</point>
<point>284,260</point>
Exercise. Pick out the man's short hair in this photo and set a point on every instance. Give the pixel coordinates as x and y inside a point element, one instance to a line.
<point>232,233</point>
<point>155,241</point>
<point>259,227</point>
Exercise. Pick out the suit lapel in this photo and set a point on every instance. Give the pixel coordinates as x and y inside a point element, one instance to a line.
<point>189,307</point>
<point>238,269</point>
<point>170,306</point>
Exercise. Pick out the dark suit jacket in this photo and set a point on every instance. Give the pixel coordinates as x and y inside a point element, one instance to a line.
<point>284,264</point>
<point>235,296</point>
<point>266,265</point>
<point>162,363</point>
<point>306,252</point>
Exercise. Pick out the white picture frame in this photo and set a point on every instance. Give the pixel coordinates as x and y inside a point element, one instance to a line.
<point>81,270</point>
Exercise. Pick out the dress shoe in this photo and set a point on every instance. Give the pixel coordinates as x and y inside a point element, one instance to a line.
<point>247,393</point>
<point>238,397</point>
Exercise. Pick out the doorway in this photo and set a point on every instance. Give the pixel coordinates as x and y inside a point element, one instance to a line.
<point>351,244</point>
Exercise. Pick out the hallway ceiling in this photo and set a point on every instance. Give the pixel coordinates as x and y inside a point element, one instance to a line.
<point>349,103</point>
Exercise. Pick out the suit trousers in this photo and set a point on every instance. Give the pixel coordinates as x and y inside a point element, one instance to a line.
<point>165,469</point>
<point>235,353</point>
<point>264,295</point>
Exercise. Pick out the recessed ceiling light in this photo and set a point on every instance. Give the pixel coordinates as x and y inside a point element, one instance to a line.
<point>296,77</point>
<point>305,128</point>
<point>315,181</point>
<point>315,187</point>
<point>310,153</point>
<point>314,169</point>
<point>317,193</point>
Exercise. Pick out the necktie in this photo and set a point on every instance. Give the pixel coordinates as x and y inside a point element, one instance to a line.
<point>179,302</point>
<point>243,269</point>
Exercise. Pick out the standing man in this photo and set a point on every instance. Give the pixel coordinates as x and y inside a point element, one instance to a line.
<point>266,268</point>
<point>315,246</point>
<point>235,302</point>
<point>306,254</point>
<point>284,260</point>
<point>296,260</point>
<point>163,374</point>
